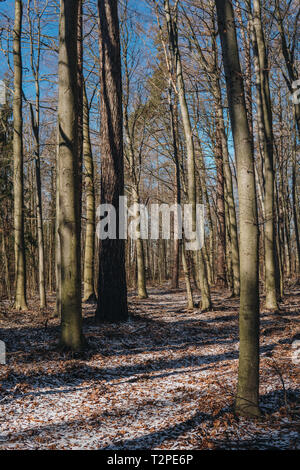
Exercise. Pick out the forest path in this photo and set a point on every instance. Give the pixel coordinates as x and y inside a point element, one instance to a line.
<point>166,379</point>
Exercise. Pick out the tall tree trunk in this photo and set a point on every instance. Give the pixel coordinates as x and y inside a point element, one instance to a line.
<point>232,225</point>
<point>57,238</point>
<point>80,115</point>
<point>174,127</point>
<point>112,289</point>
<point>69,204</point>
<point>295,202</point>
<point>134,178</point>
<point>6,264</point>
<point>248,378</point>
<point>191,189</point>
<point>20,264</point>
<point>221,266</point>
<point>89,250</point>
<point>190,301</point>
<point>35,122</point>
<point>267,133</point>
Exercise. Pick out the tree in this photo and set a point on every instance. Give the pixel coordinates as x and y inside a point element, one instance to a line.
<point>89,250</point>
<point>209,63</point>
<point>68,169</point>
<point>112,289</point>
<point>132,153</point>
<point>266,123</point>
<point>6,187</point>
<point>191,175</point>
<point>35,122</point>
<point>20,264</point>
<point>248,378</point>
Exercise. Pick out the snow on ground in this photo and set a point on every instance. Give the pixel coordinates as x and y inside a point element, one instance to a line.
<point>164,380</point>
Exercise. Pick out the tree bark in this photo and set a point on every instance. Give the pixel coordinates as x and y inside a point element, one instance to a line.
<point>248,378</point>
<point>267,134</point>
<point>89,250</point>
<point>134,178</point>
<point>191,189</point>
<point>69,203</point>
<point>35,122</point>
<point>221,250</point>
<point>20,262</point>
<point>174,127</point>
<point>112,289</point>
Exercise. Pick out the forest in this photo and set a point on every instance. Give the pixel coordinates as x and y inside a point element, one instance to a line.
<point>149,225</point>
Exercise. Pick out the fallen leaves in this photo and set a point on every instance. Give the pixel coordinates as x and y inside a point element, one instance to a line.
<point>164,380</point>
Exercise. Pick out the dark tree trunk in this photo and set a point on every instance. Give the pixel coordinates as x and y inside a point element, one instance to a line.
<point>221,265</point>
<point>112,290</point>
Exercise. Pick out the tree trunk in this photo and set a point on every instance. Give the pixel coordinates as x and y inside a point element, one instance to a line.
<point>20,264</point>
<point>295,203</point>
<point>134,178</point>
<point>35,122</point>
<point>69,203</point>
<point>190,301</point>
<point>112,289</point>
<point>232,224</point>
<point>248,378</point>
<point>173,37</point>
<point>89,251</point>
<point>221,267</point>
<point>174,127</point>
<point>57,239</point>
<point>267,133</point>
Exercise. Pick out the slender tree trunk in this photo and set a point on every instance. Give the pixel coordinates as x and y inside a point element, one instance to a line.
<point>190,301</point>
<point>35,122</point>
<point>69,203</point>
<point>295,204</point>
<point>267,132</point>
<point>89,251</point>
<point>221,266</point>
<point>57,239</point>
<point>20,264</point>
<point>80,116</point>
<point>140,257</point>
<point>6,264</point>
<point>232,225</point>
<point>112,289</point>
<point>248,378</point>
<point>174,127</point>
<point>173,37</point>
<point>134,183</point>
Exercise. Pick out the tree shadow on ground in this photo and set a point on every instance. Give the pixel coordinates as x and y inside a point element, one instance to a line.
<point>156,438</point>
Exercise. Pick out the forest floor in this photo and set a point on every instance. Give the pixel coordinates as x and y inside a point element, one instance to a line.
<point>166,379</point>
